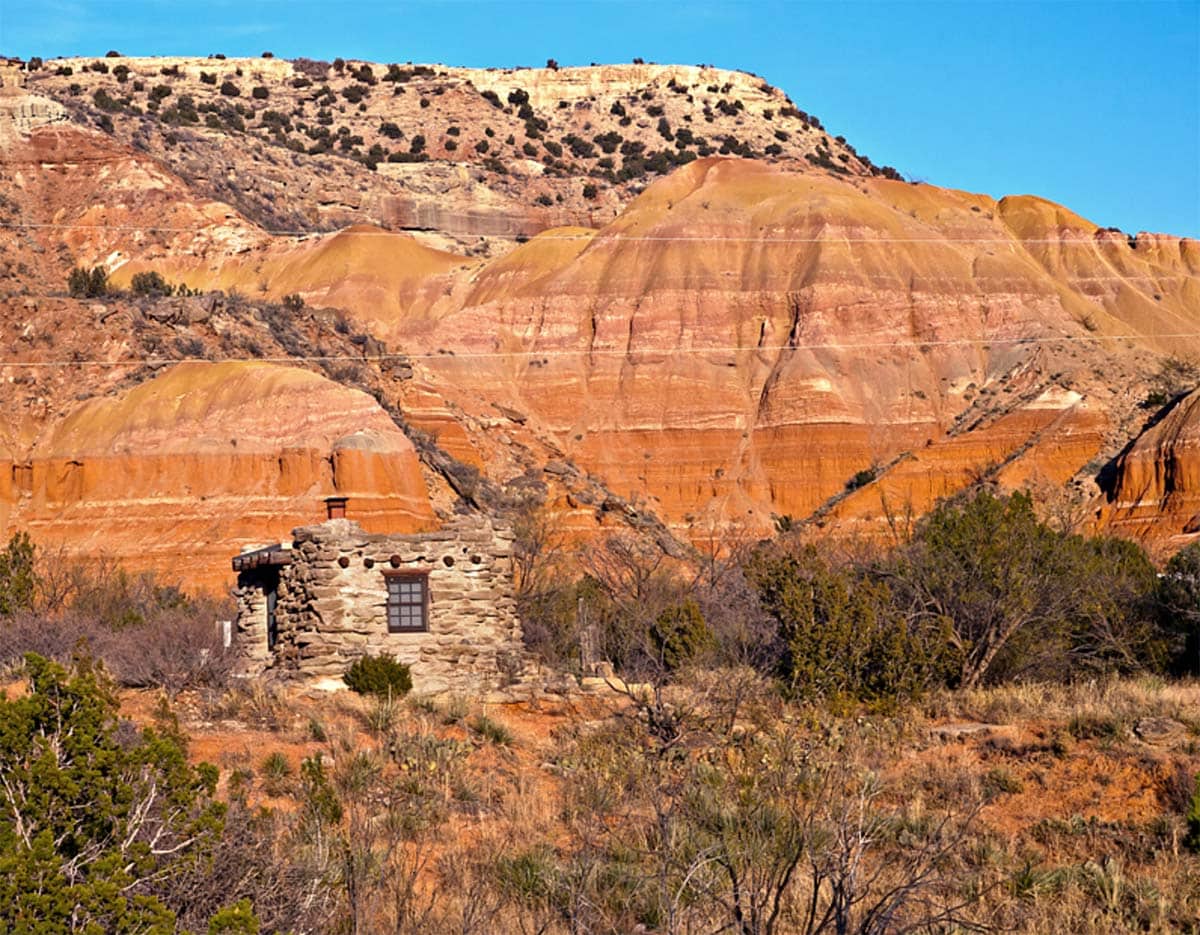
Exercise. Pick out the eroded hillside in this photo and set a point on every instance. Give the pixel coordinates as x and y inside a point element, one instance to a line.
<point>470,155</point>
<point>701,337</point>
<point>745,341</point>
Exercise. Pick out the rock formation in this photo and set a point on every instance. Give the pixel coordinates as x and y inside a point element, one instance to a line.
<point>744,341</point>
<point>1155,493</point>
<point>720,343</point>
<point>180,471</point>
<point>465,156</point>
<point>21,112</point>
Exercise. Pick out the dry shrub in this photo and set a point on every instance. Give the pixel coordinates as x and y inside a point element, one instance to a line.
<point>618,827</point>
<point>732,699</point>
<point>31,632</point>
<point>147,634</point>
<point>1121,701</point>
<point>172,652</point>
<point>1104,895</point>
<point>255,858</point>
<point>253,703</point>
<point>1177,780</point>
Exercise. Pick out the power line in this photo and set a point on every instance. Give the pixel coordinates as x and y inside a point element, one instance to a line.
<point>614,352</point>
<point>600,235</point>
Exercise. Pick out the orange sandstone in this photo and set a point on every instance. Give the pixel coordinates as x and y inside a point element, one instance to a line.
<point>179,472</point>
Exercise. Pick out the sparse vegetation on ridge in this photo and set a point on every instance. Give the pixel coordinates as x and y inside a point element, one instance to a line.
<point>145,107</point>
<point>85,283</point>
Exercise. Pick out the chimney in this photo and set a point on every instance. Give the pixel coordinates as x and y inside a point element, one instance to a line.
<point>335,507</point>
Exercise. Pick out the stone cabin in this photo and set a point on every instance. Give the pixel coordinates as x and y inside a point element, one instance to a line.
<point>440,601</point>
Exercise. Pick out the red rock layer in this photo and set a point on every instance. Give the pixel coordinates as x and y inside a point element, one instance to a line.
<point>90,200</point>
<point>741,340</point>
<point>180,472</point>
<point>1156,494</point>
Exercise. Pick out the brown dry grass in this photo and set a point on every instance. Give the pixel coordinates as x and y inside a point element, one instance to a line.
<point>1079,826</point>
<point>1120,700</point>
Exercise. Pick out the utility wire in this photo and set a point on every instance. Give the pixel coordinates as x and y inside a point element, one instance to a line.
<point>600,236</point>
<point>615,352</point>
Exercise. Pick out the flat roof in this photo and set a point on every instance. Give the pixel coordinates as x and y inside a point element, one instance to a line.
<point>267,556</point>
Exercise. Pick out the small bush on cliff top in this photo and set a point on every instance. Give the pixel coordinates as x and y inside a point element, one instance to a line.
<point>379,675</point>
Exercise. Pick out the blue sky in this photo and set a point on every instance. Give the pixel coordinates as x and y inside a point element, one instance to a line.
<point>1092,104</point>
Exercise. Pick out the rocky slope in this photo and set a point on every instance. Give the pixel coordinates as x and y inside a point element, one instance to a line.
<point>57,353</point>
<point>1155,488</point>
<point>752,339</point>
<point>182,471</point>
<point>120,439</point>
<point>742,340</point>
<point>471,154</point>
<point>745,341</point>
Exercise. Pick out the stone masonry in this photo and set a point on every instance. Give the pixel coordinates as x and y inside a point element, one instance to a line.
<point>331,603</point>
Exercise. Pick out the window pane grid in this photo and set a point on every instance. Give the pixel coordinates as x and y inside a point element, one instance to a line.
<point>406,604</point>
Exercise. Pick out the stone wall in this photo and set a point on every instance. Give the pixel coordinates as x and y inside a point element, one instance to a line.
<point>332,605</point>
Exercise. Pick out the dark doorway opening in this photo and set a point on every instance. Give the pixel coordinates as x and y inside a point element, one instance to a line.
<point>271,590</point>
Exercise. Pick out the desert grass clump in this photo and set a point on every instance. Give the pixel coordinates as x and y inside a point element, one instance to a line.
<point>1123,700</point>
<point>383,711</point>
<point>1000,781</point>
<point>423,705</point>
<point>455,710</point>
<point>316,730</point>
<point>255,704</point>
<point>1098,725</point>
<point>276,772</point>
<point>1192,818</point>
<point>239,780</point>
<point>491,730</point>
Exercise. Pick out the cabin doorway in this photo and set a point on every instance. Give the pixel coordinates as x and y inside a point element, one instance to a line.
<point>271,592</point>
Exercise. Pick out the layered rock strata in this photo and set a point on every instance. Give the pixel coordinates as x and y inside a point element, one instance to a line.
<point>744,342</point>
<point>1156,490</point>
<point>174,473</point>
<point>741,341</point>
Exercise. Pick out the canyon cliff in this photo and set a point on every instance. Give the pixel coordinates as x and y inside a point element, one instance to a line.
<point>722,340</point>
